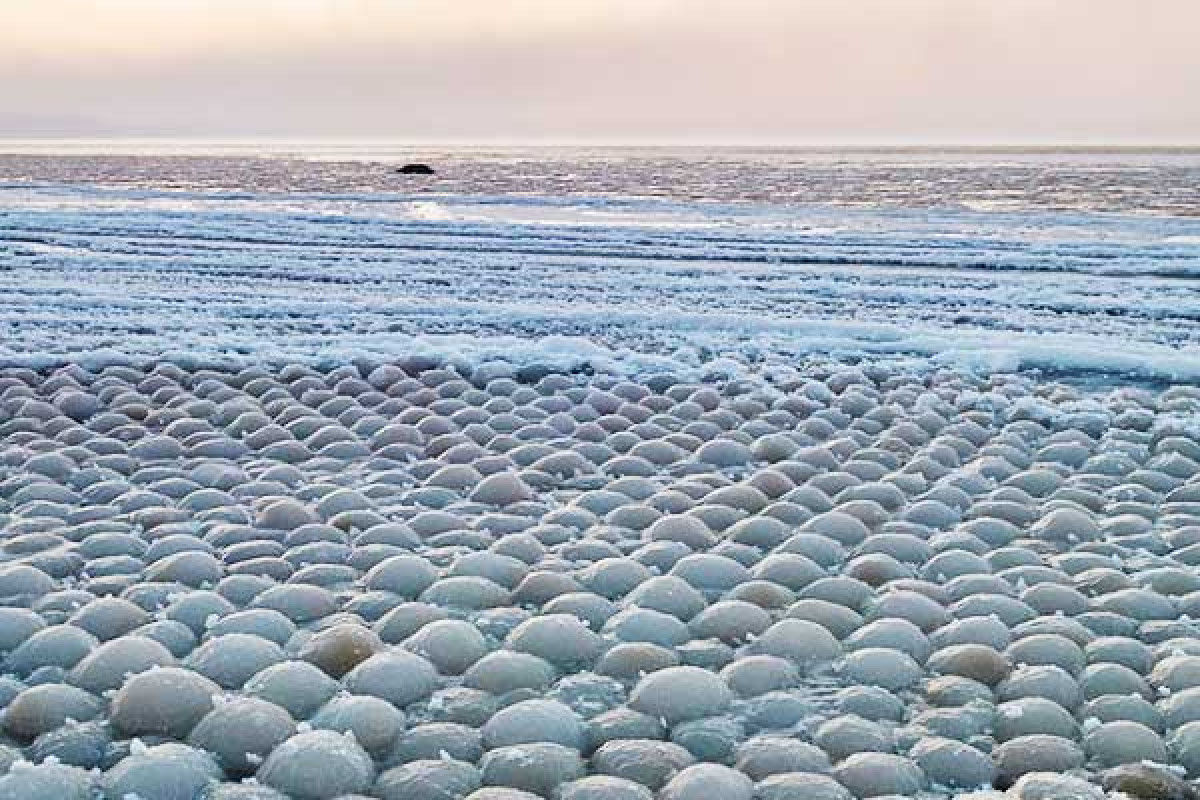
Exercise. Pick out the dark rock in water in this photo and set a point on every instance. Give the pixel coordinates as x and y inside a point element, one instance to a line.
<point>415,169</point>
<point>1148,783</point>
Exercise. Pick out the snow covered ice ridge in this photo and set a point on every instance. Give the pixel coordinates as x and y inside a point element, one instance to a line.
<point>125,275</point>
<point>459,577</point>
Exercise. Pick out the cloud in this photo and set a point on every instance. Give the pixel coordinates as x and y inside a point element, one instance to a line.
<point>778,70</point>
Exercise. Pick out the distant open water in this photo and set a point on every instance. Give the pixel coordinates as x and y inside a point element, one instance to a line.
<point>1156,181</point>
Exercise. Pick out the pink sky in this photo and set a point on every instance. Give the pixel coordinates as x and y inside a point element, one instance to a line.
<point>753,71</point>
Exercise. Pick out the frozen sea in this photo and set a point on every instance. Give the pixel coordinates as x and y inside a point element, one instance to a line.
<point>598,474</point>
<point>629,258</point>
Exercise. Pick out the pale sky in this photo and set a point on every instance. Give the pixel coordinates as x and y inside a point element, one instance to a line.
<point>749,71</point>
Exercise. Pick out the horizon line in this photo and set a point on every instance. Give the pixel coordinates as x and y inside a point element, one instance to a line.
<point>41,140</point>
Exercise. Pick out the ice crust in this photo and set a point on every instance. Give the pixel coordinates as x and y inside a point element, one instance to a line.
<point>102,276</point>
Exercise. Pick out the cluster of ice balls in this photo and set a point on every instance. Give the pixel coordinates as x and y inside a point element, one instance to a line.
<point>412,582</point>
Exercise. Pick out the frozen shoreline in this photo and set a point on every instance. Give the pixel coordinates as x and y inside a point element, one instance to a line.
<point>481,496</point>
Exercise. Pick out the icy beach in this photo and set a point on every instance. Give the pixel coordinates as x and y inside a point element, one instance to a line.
<point>599,475</point>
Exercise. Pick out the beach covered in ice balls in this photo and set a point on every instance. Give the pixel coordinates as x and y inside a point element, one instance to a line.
<point>411,581</point>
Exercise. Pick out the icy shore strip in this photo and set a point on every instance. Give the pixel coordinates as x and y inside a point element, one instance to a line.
<point>629,287</point>
<point>701,345</point>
